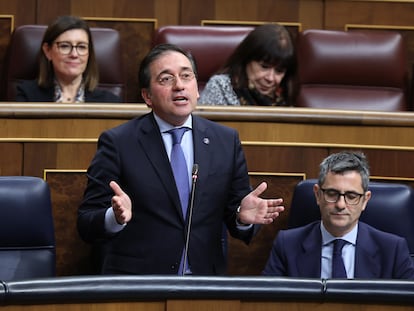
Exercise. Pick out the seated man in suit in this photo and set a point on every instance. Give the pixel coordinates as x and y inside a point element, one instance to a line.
<point>309,251</point>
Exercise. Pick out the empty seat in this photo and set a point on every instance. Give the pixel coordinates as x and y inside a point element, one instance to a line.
<point>358,70</point>
<point>27,238</point>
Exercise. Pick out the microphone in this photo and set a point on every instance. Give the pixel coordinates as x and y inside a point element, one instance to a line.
<point>194,176</point>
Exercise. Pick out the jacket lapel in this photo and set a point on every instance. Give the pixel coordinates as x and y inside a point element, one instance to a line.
<point>202,149</point>
<point>309,263</point>
<point>151,142</point>
<point>366,266</point>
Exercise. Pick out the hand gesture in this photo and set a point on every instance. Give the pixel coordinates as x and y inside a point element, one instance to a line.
<point>121,204</point>
<point>255,210</point>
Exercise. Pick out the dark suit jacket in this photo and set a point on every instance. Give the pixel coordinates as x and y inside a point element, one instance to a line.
<point>133,154</point>
<point>297,253</point>
<point>29,91</point>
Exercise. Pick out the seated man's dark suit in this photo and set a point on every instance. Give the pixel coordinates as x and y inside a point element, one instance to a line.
<point>297,253</point>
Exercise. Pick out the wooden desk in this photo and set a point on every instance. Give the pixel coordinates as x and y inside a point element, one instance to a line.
<point>282,146</point>
<point>173,293</point>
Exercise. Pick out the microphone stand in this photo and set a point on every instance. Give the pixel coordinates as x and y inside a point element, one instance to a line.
<point>190,216</point>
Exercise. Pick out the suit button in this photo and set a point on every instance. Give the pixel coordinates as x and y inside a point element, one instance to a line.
<point>173,266</point>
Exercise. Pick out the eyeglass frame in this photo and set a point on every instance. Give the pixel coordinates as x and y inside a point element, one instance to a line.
<point>72,47</point>
<point>344,194</point>
<point>168,79</point>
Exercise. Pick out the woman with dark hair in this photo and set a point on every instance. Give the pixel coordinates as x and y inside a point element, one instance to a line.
<point>68,71</point>
<point>259,72</point>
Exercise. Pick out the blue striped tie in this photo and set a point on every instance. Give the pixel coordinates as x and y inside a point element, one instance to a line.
<point>179,167</point>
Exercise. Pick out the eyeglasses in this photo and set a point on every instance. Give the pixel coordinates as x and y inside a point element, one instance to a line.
<point>350,197</point>
<point>66,48</point>
<point>167,79</point>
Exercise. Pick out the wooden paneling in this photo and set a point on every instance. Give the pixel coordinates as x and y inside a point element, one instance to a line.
<point>284,159</point>
<point>110,306</point>
<point>202,305</point>
<point>11,160</point>
<point>333,14</point>
<point>340,13</point>
<point>282,147</point>
<point>153,304</point>
<point>311,13</point>
<point>329,306</point>
<point>24,11</point>
<point>250,259</point>
<point>6,28</point>
<point>56,155</point>
<point>136,42</point>
<point>47,11</point>
<point>292,27</point>
<point>73,256</point>
<point>168,12</point>
<point>263,10</point>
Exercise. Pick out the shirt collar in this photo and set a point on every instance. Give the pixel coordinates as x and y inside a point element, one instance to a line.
<point>80,94</point>
<point>164,126</point>
<point>350,237</point>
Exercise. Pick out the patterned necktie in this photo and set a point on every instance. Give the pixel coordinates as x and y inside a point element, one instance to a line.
<point>338,268</point>
<point>179,167</point>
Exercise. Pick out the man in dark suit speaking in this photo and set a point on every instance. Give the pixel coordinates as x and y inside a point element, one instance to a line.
<point>152,218</point>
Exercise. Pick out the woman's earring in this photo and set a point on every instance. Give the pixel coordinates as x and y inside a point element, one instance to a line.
<point>251,85</point>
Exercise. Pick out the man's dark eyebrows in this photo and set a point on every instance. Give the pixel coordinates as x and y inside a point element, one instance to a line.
<point>167,71</point>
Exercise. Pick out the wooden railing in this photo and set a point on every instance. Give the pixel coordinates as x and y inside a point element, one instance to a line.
<point>282,147</point>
